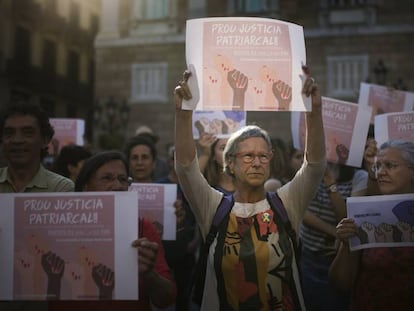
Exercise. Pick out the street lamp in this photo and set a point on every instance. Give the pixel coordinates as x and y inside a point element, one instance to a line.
<point>111,111</point>
<point>380,72</point>
<point>110,122</point>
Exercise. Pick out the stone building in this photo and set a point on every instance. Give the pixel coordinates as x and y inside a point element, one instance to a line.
<point>141,51</point>
<point>47,54</point>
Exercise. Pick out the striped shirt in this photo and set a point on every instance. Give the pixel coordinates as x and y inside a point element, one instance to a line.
<point>321,206</point>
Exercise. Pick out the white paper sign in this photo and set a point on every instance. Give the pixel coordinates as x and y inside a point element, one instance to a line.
<point>156,203</point>
<point>345,126</point>
<point>396,125</point>
<point>67,131</point>
<point>245,63</point>
<point>384,99</point>
<point>383,221</point>
<point>75,246</point>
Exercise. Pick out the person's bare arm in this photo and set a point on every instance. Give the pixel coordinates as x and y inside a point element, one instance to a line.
<point>338,202</point>
<point>344,268</point>
<point>315,141</point>
<point>313,221</point>
<point>161,290</point>
<point>185,149</point>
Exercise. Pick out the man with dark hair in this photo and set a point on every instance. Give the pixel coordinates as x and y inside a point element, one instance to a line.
<point>25,132</point>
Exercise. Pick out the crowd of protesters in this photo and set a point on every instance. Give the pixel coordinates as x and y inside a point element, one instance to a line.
<point>253,263</point>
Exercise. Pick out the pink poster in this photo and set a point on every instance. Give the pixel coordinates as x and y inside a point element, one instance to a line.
<point>384,99</point>
<point>251,64</point>
<point>397,125</point>
<point>338,123</point>
<point>151,203</point>
<point>345,127</point>
<point>67,131</point>
<point>156,203</point>
<point>68,246</point>
<point>63,247</point>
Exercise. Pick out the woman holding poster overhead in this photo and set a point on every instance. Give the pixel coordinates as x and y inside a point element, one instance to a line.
<point>381,278</point>
<point>251,263</point>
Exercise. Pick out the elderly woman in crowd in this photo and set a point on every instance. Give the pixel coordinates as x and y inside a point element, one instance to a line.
<point>251,262</point>
<point>381,278</point>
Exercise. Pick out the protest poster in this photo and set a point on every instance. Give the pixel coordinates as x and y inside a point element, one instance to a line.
<point>384,99</point>
<point>68,246</point>
<point>383,220</point>
<point>394,125</point>
<point>245,63</point>
<point>219,123</point>
<point>67,131</point>
<point>345,127</point>
<point>156,204</point>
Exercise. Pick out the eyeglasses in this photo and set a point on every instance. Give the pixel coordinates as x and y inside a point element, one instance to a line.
<point>386,165</point>
<point>250,157</point>
<point>109,179</point>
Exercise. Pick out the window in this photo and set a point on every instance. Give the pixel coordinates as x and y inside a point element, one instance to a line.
<point>349,3</point>
<point>2,63</point>
<point>91,73</point>
<point>17,95</point>
<point>149,82</point>
<point>94,24</point>
<point>153,9</point>
<point>345,73</point>
<point>74,16</point>
<point>252,6</point>
<point>51,5</point>
<point>71,110</point>
<point>22,46</point>
<point>49,56</point>
<point>73,66</point>
<point>48,105</point>
<point>347,12</point>
<point>150,17</point>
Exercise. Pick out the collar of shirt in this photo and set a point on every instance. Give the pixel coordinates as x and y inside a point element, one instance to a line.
<point>38,181</point>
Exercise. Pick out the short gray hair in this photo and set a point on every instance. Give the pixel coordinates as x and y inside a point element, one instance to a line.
<point>405,147</point>
<point>239,136</point>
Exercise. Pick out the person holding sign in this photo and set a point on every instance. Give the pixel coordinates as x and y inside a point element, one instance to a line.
<point>181,252</point>
<point>381,278</point>
<point>141,154</point>
<point>108,171</point>
<point>318,235</point>
<point>25,132</point>
<point>251,262</point>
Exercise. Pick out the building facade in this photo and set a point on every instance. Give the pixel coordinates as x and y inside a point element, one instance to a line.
<point>141,51</point>
<point>47,54</point>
